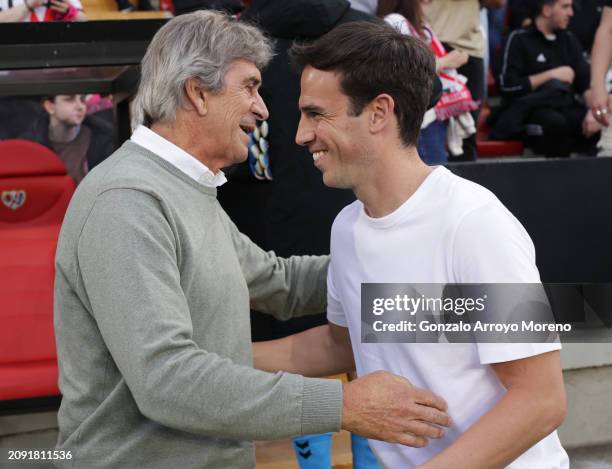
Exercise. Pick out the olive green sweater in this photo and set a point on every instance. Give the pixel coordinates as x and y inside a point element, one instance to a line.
<point>153,289</point>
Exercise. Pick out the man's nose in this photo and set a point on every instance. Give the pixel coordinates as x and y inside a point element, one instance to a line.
<point>260,109</point>
<point>304,134</point>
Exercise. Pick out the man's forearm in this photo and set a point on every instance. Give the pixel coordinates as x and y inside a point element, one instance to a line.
<point>602,50</point>
<point>533,407</point>
<point>510,428</point>
<point>314,352</point>
<point>539,79</point>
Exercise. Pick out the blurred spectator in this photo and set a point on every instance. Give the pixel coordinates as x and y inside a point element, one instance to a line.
<point>293,212</point>
<point>496,30</point>
<point>457,24</point>
<point>40,10</point>
<point>17,113</point>
<point>81,141</point>
<point>407,17</point>
<point>583,24</point>
<point>543,68</point>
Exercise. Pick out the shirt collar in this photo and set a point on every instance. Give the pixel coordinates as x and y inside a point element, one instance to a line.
<point>176,156</point>
<point>548,37</point>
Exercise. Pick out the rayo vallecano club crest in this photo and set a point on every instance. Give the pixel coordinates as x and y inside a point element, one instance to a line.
<point>13,199</point>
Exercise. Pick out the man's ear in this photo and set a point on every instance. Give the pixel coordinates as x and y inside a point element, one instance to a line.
<point>381,112</point>
<point>197,96</point>
<point>48,106</point>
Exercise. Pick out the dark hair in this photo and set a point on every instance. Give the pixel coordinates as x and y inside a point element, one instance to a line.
<point>536,6</point>
<point>409,9</point>
<point>374,58</point>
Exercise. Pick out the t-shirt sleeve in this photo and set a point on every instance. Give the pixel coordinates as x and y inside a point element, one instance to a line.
<point>335,311</point>
<point>491,246</point>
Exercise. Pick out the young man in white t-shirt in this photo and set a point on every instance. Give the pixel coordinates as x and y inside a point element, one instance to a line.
<point>365,88</point>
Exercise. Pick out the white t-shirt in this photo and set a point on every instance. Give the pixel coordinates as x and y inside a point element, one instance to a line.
<point>450,230</point>
<point>40,12</point>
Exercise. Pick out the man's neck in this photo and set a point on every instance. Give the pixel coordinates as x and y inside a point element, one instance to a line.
<point>60,133</point>
<point>181,136</point>
<point>543,26</point>
<point>392,182</point>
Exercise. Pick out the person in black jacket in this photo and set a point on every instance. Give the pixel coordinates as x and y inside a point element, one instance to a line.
<point>81,141</point>
<point>583,23</point>
<point>293,212</point>
<point>543,68</point>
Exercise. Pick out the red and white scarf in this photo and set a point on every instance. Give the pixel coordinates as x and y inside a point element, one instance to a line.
<point>456,97</point>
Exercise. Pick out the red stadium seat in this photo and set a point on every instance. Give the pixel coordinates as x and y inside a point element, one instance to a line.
<point>34,195</point>
<point>499,148</point>
<point>494,148</point>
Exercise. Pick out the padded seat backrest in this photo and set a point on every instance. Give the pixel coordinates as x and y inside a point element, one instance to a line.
<point>34,187</point>
<point>34,195</point>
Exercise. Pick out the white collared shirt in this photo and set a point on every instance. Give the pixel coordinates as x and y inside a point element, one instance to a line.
<point>176,156</point>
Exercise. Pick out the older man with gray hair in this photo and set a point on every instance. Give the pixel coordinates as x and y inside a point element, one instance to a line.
<point>154,283</point>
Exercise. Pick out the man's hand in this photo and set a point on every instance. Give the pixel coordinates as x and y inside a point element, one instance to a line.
<point>454,59</point>
<point>60,6</point>
<point>563,73</point>
<point>590,125</point>
<point>320,351</point>
<point>601,105</point>
<point>384,406</point>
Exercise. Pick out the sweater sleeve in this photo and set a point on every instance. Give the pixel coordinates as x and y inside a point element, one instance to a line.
<point>127,264</point>
<point>283,287</point>
<point>513,79</point>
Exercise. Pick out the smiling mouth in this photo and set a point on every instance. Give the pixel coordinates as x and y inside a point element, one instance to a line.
<point>246,128</point>
<point>318,154</point>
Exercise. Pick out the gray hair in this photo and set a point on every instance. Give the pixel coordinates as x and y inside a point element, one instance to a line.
<point>199,45</point>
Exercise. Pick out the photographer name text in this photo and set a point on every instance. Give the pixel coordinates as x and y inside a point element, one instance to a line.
<point>461,326</point>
